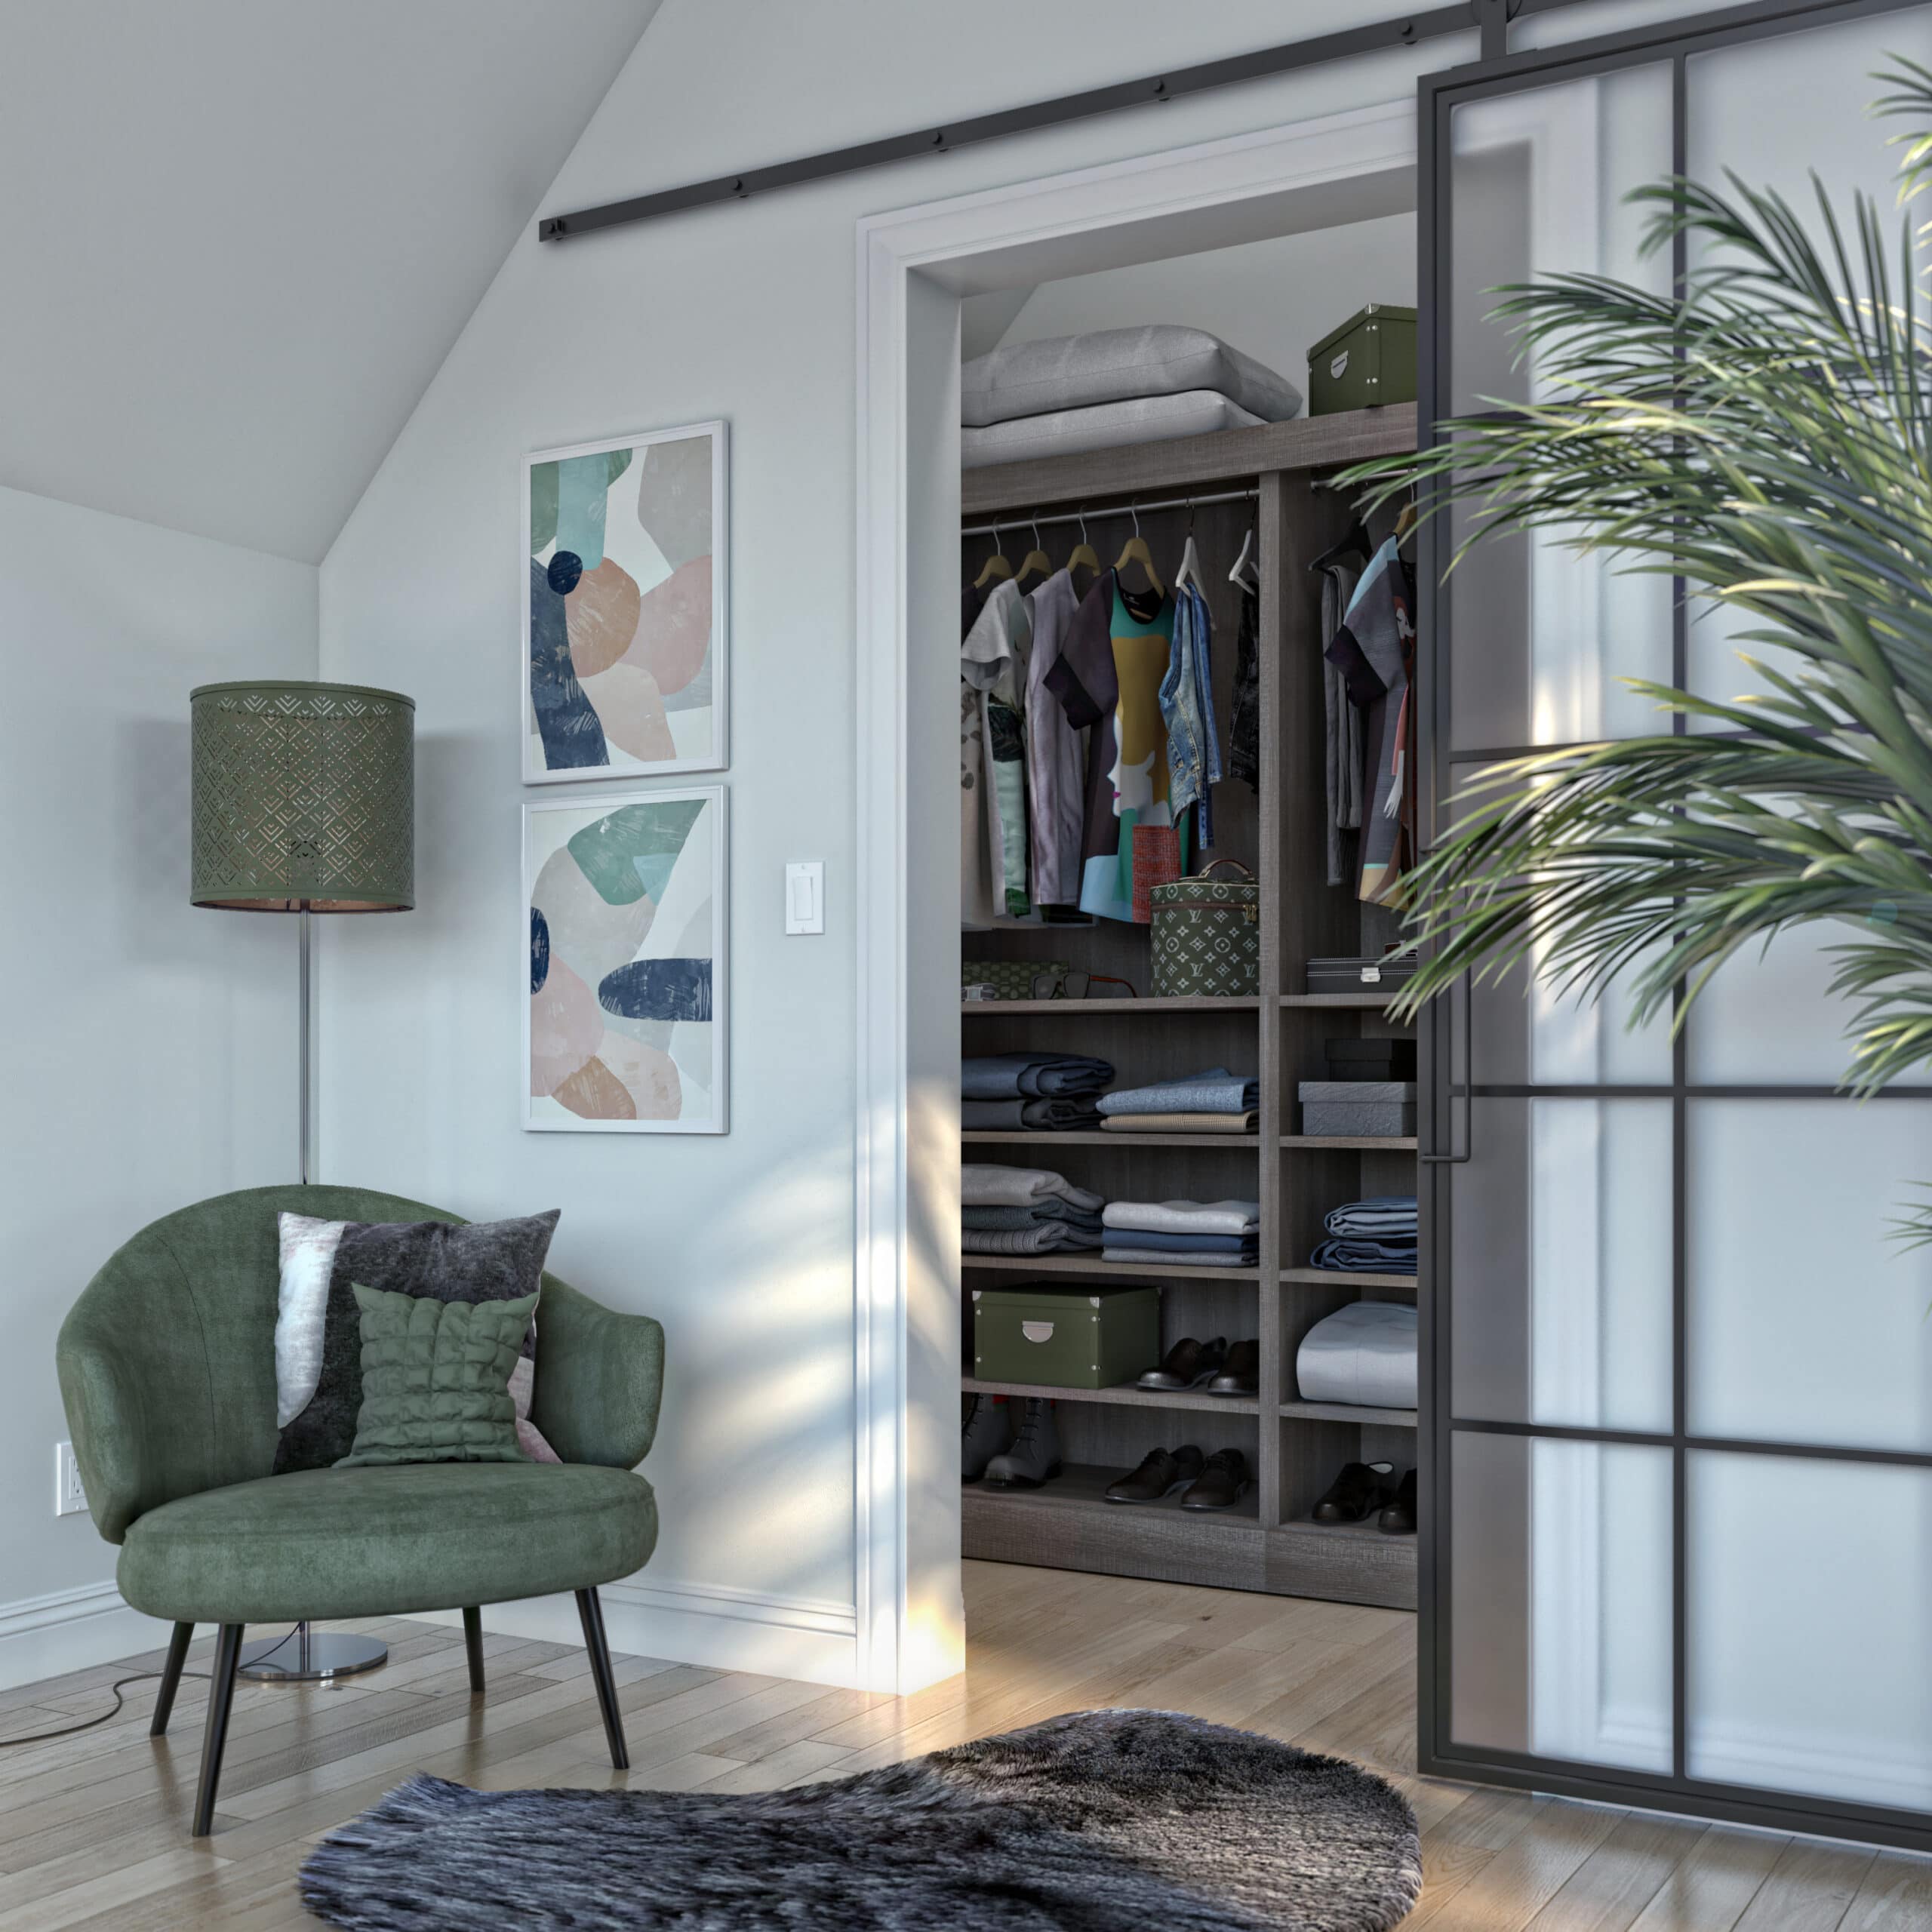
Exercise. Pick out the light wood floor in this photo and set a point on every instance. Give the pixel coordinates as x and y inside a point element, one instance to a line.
<point>92,1829</point>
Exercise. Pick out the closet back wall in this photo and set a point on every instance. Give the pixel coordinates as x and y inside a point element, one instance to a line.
<point>742,1245</point>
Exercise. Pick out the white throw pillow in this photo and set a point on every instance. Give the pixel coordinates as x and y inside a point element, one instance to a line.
<point>1106,426</point>
<point>308,1259</point>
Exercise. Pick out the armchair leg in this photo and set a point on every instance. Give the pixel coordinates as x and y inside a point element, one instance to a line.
<point>221,1696</point>
<point>591,1612</point>
<point>171,1677</point>
<point>472,1642</point>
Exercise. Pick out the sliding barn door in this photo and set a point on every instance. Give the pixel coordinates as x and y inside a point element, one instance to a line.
<point>1679,1379</point>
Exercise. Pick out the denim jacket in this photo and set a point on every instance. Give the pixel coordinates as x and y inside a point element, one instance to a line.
<point>1187,706</point>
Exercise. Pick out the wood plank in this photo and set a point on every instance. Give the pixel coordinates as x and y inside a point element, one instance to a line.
<point>1064,1264</point>
<point>1350,1412</point>
<point>1307,442</point>
<point>1387,1143</point>
<point>1125,1396</point>
<point>1163,1007</point>
<point>1361,1002</point>
<point>1083,1137</point>
<point>1328,1278</point>
<point>1811,1888</point>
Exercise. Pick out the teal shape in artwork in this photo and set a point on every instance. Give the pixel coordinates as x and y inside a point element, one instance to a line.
<point>619,460</point>
<point>543,506</point>
<point>620,853</point>
<point>654,870</point>
<point>583,483</point>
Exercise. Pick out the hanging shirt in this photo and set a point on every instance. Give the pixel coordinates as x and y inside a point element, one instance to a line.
<point>1375,650</point>
<point>1187,709</point>
<point>1108,675</point>
<point>1056,753</point>
<point>992,672</point>
<point>1342,742</point>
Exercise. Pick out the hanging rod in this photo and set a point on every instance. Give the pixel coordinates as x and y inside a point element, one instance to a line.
<point>1458,17</point>
<point>1023,522</point>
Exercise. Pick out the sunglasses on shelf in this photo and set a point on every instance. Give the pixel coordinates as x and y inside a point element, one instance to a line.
<point>1080,986</point>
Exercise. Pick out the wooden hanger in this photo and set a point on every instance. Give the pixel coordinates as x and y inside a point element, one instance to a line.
<point>1406,521</point>
<point>994,567</point>
<point>1084,555</point>
<point>1036,562</point>
<point>1135,551</point>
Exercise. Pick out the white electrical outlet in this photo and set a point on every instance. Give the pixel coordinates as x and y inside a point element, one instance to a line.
<point>69,1498</point>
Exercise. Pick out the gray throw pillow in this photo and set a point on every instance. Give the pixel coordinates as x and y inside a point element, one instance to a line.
<point>480,1261</point>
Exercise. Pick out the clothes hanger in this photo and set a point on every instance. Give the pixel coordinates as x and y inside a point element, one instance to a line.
<point>1083,554</point>
<point>1190,571</point>
<point>994,567</point>
<point>1036,562</point>
<point>1357,543</point>
<point>1406,521</point>
<point>1135,551</point>
<point>1245,572</point>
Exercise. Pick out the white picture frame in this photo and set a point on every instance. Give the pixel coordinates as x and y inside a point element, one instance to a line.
<point>651,583</point>
<point>589,930</point>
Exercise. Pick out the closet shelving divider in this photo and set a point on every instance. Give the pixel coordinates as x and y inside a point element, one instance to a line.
<point>1294,1448</point>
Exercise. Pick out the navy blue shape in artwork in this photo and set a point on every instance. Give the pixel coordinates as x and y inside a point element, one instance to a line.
<point>572,737</point>
<point>658,990</point>
<point>539,951</point>
<point>566,567</point>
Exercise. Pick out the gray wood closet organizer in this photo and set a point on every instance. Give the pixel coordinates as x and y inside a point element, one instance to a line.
<point>1295,1448</point>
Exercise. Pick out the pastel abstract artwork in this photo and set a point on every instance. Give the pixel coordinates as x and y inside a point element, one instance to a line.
<point>624,619</point>
<point>625,1029</point>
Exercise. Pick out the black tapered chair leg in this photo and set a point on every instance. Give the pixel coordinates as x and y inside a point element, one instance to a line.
<point>472,1642</point>
<point>214,1740</point>
<point>171,1677</point>
<point>591,1612</point>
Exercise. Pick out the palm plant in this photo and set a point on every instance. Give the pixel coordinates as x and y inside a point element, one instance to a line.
<point>1765,436</point>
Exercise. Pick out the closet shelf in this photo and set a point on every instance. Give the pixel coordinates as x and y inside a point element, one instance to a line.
<point>1342,1002</point>
<point>1387,1143</point>
<point>1064,1264</point>
<point>1348,1412</point>
<point>1082,1487</point>
<point>1125,1396</point>
<point>1042,1136</point>
<point>1104,1009</point>
<point>1329,1277</point>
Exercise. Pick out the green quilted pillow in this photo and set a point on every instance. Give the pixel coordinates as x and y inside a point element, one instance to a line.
<point>435,1379</point>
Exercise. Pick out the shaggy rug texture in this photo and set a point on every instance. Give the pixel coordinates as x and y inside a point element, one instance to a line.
<point>1102,1822</point>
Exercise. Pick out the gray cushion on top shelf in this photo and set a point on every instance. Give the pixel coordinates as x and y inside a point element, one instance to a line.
<point>1364,1354</point>
<point>1116,365</point>
<point>1153,419</point>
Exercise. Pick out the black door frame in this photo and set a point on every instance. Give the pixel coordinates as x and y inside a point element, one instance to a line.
<point>1449,1112</point>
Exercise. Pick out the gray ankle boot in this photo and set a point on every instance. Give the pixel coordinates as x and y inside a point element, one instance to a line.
<point>987,1429</point>
<point>1034,1457</point>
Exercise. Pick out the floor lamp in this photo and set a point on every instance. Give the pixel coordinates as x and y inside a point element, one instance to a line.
<point>304,802</point>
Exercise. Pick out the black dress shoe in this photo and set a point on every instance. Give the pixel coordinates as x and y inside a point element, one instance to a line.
<point>1360,1489</point>
<point>1220,1484</point>
<point>1189,1364</point>
<point>1241,1375</point>
<point>1398,1517</point>
<point>1161,1473</point>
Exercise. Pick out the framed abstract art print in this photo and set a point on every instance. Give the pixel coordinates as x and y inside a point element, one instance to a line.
<point>624,1028</point>
<point>624,620</point>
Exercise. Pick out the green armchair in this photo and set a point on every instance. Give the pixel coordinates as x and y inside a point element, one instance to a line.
<point>167,1365</point>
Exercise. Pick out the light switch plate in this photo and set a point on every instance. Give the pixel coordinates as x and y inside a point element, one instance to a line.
<point>805,895</point>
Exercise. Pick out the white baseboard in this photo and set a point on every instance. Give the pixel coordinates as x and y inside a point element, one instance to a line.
<point>809,1639</point>
<point>66,1630</point>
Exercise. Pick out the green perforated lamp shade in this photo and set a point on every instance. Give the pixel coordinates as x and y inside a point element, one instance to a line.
<point>305,798</point>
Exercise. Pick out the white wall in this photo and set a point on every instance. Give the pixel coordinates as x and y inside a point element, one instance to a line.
<point>743,1245</point>
<point>1270,300</point>
<point>149,1049</point>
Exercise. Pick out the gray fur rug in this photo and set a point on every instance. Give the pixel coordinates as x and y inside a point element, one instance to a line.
<point>1107,1821</point>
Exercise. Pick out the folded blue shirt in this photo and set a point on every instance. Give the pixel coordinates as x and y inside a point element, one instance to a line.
<point>1182,1244</point>
<point>1215,1091</point>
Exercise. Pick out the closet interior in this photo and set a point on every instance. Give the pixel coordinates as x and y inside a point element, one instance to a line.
<point>1258,492</point>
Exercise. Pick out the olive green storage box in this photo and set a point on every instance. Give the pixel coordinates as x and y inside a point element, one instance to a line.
<point>1066,1338</point>
<point>1370,359</point>
<point>1206,935</point>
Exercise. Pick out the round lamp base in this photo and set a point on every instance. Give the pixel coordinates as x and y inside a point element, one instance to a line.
<point>307,1656</point>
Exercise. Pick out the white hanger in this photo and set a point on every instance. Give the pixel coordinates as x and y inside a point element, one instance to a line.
<point>1190,571</point>
<point>1245,572</point>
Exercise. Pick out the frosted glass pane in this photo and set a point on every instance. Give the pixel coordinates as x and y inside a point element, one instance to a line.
<point>1807,1323</point>
<point>1541,638</point>
<point>1810,1640</point>
<point>1561,1265</point>
<point>1560,1599</point>
<point>1768,1019</point>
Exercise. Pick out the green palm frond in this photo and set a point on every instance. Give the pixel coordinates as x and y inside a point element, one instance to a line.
<point>1765,437</point>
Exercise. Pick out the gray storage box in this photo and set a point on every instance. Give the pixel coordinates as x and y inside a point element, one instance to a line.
<point>1381,1108</point>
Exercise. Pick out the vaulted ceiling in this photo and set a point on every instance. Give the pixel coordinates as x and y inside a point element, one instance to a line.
<point>237,237</point>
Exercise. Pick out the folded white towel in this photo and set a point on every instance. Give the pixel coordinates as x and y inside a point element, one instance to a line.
<point>1185,1217</point>
<point>986,1185</point>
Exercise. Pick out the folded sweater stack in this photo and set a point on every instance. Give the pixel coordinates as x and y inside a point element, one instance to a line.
<point>1052,1091</point>
<point>1191,1233</point>
<point>1372,1237</point>
<point>1212,1102</point>
<point>1025,1210</point>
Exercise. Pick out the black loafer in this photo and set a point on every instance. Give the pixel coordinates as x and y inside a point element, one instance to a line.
<point>1189,1364</point>
<point>1398,1517</point>
<point>1220,1484</point>
<point>1360,1489</point>
<point>1161,1473</point>
<point>1241,1375</point>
